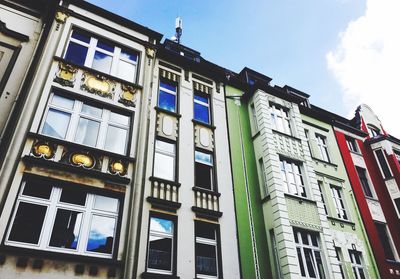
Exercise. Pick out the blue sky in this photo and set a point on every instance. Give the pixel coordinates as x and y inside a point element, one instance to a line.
<point>288,40</point>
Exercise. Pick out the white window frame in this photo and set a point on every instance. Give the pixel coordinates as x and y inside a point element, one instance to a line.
<point>210,165</point>
<point>207,105</point>
<point>373,131</point>
<point>276,254</point>
<point>364,170</point>
<point>353,254</point>
<point>76,115</point>
<point>263,177</point>
<point>53,204</point>
<point>279,117</point>
<point>165,153</point>
<point>163,235</point>
<point>322,147</point>
<point>352,145</point>
<point>300,245</point>
<point>307,135</point>
<point>339,202</point>
<point>385,161</point>
<point>210,242</point>
<point>390,240</point>
<point>286,173</point>
<point>339,257</point>
<point>323,200</point>
<point>254,120</point>
<point>115,55</point>
<point>168,91</point>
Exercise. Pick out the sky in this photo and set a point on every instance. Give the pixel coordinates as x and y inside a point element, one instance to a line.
<point>341,52</point>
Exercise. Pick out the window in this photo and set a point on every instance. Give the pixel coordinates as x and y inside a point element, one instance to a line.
<point>307,134</point>
<point>161,245</point>
<point>339,257</point>
<point>164,160</point>
<point>352,144</point>
<point>338,201</point>
<point>64,219</point>
<point>204,176</point>
<point>362,175</point>
<point>309,254</point>
<point>276,254</point>
<point>101,55</point>
<point>386,241</point>
<point>322,147</point>
<point>320,187</point>
<point>206,250</point>
<point>87,124</point>
<point>397,203</point>
<point>383,164</point>
<point>280,119</point>
<point>357,264</point>
<point>397,155</point>
<point>292,177</point>
<point>167,95</point>
<point>373,131</point>
<point>254,118</point>
<point>201,107</point>
<point>263,177</point>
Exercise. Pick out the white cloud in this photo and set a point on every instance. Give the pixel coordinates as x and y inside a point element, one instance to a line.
<point>366,62</point>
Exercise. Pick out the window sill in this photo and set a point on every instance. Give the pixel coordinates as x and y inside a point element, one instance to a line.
<point>177,115</point>
<point>27,252</point>
<point>300,198</point>
<point>341,221</point>
<point>371,198</point>
<point>355,152</point>
<point>324,162</point>
<point>286,135</point>
<point>212,127</point>
<point>266,198</point>
<point>152,275</point>
<point>108,76</point>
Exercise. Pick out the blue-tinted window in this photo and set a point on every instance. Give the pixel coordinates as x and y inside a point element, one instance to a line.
<point>201,108</point>
<point>76,53</point>
<point>81,37</point>
<point>105,46</point>
<point>129,55</point>
<point>167,96</point>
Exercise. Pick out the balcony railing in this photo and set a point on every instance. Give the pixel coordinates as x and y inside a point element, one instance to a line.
<point>206,202</point>
<point>164,194</point>
<point>74,157</point>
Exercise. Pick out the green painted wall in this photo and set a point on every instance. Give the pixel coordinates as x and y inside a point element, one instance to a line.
<point>338,171</point>
<point>239,132</point>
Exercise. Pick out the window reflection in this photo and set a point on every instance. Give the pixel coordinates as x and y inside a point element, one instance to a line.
<point>87,132</point>
<point>102,62</point>
<point>66,229</point>
<point>106,203</point>
<point>56,124</point>
<point>101,235</point>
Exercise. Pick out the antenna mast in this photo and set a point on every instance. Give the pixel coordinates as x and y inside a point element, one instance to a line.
<point>178,29</point>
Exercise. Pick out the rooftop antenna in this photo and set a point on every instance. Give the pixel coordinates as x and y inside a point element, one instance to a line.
<point>178,29</point>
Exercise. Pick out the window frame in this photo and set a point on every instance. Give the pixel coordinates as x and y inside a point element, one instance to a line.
<point>389,241</point>
<point>385,170</point>
<point>322,144</point>
<point>92,47</point>
<point>342,265</point>
<point>174,237</point>
<point>356,267</point>
<point>166,153</point>
<point>339,202</point>
<point>53,204</point>
<point>365,182</point>
<point>211,242</point>
<point>373,131</point>
<point>254,120</point>
<point>352,145</point>
<point>280,114</point>
<point>300,246</point>
<point>263,177</point>
<point>210,165</point>
<point>168,91</point>
<point>76,114</point>
<point>321,190</point>
<point>206,105</point>
<point>284,171</point>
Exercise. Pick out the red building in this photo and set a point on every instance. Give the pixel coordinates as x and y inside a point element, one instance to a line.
<point>371,157</point>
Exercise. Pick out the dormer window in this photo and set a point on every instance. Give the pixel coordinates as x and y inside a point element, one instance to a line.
<point>373,131</point>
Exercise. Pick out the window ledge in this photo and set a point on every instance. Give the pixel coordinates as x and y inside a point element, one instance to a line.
<point>152,275</point>
<point>253,137</point>
<point>286,135</point>
<point>177,115</point>
<point>212,127</point>
<point>356,153</point>
<point>371,199</point>
<point>324,162</point>
<point>300,198</point>
<point>59,256</point>
<point>73,169</point>
<point>164,204</point>
<point>206,213</point>
<point>334,219</point>
<point>393,262</point>
<point>202,190</point>
<point>114,78</point>
<point>266,198</point>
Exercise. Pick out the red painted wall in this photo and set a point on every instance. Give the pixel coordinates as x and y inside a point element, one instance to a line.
<point>377,180</point>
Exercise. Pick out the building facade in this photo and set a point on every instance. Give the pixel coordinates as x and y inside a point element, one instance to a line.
<point>369,154</point>
<point>69,198</point>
